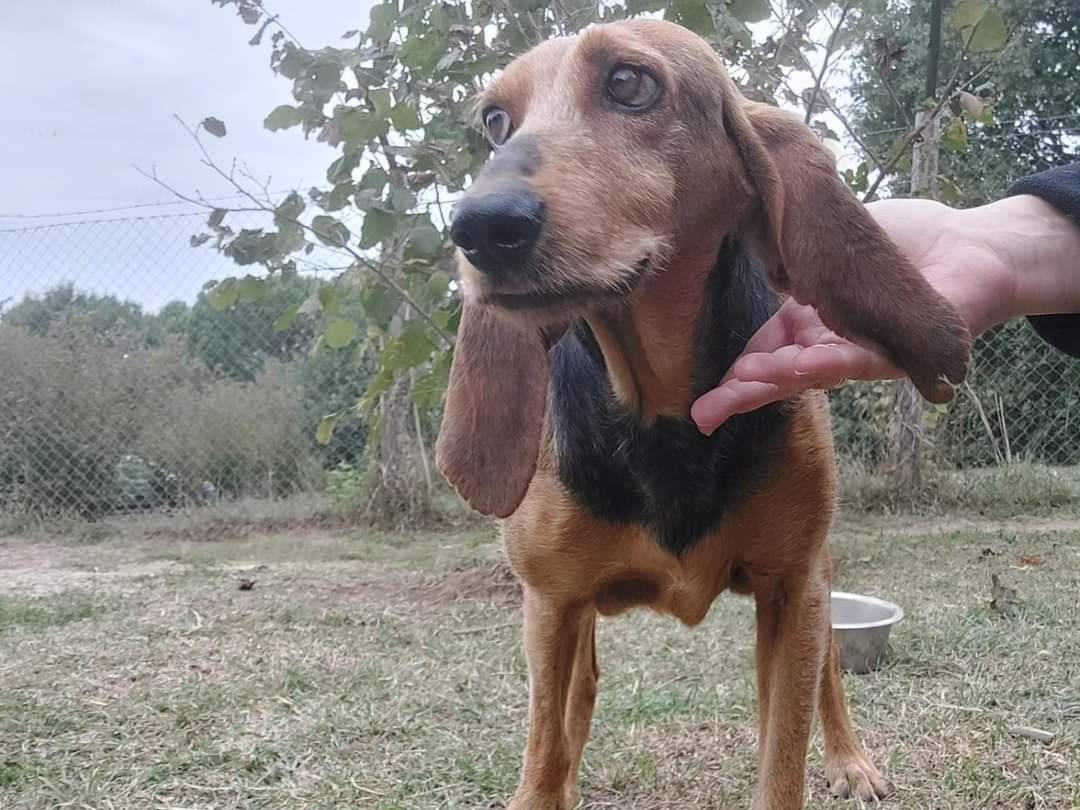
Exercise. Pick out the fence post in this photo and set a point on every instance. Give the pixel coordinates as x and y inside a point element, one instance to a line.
<point>907,403</point>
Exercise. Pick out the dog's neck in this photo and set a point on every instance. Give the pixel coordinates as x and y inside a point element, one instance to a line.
<point>648,345</point>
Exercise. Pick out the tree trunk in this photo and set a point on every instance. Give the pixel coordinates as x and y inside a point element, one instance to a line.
<point>907,429</point>
<point>402,497</point>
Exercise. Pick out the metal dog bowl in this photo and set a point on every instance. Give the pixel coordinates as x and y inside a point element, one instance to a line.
<point>861,627</point>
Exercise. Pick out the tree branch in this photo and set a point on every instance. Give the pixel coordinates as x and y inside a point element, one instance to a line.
<point>950,88</point>
<point>829,48</point>
<point>895,98</point>
<point>357,257</point>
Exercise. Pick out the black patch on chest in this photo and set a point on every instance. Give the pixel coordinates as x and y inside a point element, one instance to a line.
<point>667,476</point>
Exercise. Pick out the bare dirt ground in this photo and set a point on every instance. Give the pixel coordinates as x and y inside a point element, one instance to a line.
<point>340,669</point>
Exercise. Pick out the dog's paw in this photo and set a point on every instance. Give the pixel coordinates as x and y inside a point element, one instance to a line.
<point>529,800</point>
<point>854,776</point>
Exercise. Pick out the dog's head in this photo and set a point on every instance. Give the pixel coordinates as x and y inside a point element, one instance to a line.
<point>620,153</point>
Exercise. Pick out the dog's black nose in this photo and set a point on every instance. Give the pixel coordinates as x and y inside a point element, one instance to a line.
<point>497,231</point>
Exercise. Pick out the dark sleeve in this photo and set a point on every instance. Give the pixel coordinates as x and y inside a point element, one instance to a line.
<point>1061,188</point>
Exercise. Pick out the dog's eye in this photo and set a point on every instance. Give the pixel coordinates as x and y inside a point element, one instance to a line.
<point>498,125</point>
<point>632,87</point>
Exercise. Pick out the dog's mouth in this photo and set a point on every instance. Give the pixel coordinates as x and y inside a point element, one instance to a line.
<point>572,295</point>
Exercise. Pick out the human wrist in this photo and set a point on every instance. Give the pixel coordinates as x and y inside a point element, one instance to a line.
<point>1039,248</point>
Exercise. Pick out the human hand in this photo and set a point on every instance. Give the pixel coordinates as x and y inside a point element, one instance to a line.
<point>961,254</point>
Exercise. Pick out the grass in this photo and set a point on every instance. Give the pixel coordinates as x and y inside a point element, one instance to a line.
<point>1018,488</point>
<point>38,613</point>
<point>385,672</point>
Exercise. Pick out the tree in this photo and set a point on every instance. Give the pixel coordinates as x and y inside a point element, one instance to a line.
<point>174,318</point>
<point>237,337</point>
<point>394,103</point>
<point>102,315</point>
<point>1023,110</point>
<point>1018,115</point>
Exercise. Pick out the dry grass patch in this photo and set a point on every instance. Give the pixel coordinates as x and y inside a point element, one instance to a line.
<point>385,672</point>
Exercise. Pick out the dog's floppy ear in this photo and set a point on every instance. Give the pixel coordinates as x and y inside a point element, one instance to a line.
<point>822,246</point>
<point>489,441</point>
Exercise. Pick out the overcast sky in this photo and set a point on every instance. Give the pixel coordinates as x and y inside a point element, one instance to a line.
<point>89,89</point>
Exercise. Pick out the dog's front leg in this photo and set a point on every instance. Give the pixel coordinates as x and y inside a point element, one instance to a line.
<point>794,612</point>
<point>552,631</point>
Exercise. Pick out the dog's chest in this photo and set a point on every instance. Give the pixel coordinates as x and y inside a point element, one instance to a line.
<point>667,477</point>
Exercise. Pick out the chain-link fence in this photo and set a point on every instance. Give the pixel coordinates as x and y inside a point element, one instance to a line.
<point>122,389</point>
<point>1018,405</point>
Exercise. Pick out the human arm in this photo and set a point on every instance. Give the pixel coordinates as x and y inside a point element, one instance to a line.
<point>1014,257</point>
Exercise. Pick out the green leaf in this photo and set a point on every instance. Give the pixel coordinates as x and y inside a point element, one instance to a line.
<point>991,34</point>
<point>401,199</point>
<point>338,197</point>
<point>290,237</point>
<point>380,304</point>
<point>250,289</point>
<point>430,388</point>
<point>949,193</point>
<point>284,117</point>
<point>329,299</point>
<point>416,346</point>
<point>378,386</point>
<point>381,21</point>
<point>424,240</point>
<point>382,102</point>
<point>223,294</point>
<point>285,321</point>
<point>374,179</point>
<point>749,11</point>
<point>449,59</point>
<point>404,116</point>
<point>955,136</point>
<point>330,231</point>
<point>443,318</point>
<point>422,52</point>
<point>692,14</point>
<point>438,286</point>
<point>252,246</point>
<point>341,169</point>
<point>968,14</point>
<point>339,333</point>
<point>357,127</point>
<point>215,126</point>
<point>378,225</point>
<point>290,208</point>
<point>325,431</point>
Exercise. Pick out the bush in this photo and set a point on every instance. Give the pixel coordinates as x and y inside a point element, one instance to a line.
<point>70,406</point>
<point>1021,404</point>
<point>87,427</point>
<point>240,438</point>
<point>1018,405</point>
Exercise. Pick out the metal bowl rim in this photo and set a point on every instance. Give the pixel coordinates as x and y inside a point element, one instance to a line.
<point>896,613</point>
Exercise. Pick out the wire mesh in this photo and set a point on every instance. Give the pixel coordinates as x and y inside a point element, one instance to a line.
<point>122,390</point>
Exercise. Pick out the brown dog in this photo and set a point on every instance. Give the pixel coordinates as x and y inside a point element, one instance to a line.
<point>616,257</point>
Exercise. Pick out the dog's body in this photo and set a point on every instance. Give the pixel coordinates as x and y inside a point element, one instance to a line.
<point>619,249</point>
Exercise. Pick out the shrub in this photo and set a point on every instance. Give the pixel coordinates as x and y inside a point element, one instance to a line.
<point>87,427</point>
<point>70,405</point>
<point>241,438</point>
